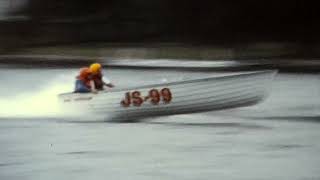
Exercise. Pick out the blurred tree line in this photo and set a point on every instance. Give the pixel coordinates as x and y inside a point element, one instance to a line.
<point>210,22</point>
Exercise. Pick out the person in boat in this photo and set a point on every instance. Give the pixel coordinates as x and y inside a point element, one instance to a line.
<point>90,79</point>
<point>97,77</point>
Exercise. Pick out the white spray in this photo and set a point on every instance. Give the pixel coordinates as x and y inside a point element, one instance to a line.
<point>38,103</point>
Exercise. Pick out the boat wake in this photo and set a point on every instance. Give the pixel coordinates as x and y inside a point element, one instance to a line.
<point>38,103</point>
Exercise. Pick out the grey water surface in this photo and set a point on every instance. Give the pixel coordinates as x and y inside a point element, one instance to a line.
<point>277,139</point>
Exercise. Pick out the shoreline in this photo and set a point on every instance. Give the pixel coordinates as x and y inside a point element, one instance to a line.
<point>57,61</point>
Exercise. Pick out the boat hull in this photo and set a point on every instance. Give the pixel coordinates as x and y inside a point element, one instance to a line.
<point>199,95</point>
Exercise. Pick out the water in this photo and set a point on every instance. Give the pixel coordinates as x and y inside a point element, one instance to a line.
<point>9,6</point>
<point>278,139</point>
<point>4,6</point>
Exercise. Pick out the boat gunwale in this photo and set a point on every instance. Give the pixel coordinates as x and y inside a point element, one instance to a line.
<point>273,72</point>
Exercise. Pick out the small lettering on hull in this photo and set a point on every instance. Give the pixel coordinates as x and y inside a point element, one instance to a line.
<point>83,99</point>
<point>78,99</point>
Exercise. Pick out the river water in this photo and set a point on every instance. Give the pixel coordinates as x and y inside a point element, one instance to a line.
<point>277,139</point>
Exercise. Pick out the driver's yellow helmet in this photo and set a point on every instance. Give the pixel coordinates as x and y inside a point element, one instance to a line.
<point>95,68</point>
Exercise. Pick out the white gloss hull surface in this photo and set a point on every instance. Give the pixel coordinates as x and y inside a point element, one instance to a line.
<point>198,95</point>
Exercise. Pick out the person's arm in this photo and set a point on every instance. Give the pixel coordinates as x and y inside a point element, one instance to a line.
<point>93,87</point>
<point>107,83</point>
<point>110,85</point>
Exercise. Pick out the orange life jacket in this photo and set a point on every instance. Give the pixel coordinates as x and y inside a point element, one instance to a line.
<point>85,76</point>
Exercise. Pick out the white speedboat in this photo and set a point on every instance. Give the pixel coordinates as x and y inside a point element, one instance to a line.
<point>191,96</point>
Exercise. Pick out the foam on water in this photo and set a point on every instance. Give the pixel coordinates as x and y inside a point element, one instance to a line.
<point>41,102</point>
